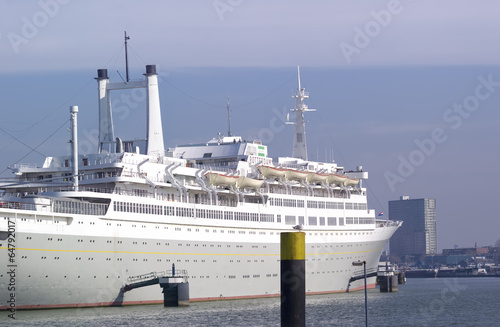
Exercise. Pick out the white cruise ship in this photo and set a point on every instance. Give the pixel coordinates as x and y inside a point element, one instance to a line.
<point>74,231</point>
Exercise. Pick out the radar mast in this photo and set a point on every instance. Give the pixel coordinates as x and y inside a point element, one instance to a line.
<point>299,138</point>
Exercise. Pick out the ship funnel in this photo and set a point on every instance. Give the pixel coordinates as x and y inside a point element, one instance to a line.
<point>154,134</point>
<point>102,74</point>
<point>150,69</point>
<point>154,129</point>
<point>106,133</point>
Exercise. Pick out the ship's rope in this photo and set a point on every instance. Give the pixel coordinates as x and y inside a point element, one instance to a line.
<point>268,94</point>
<point>365,182</point>
<point>35,148</point>
<point>64,104</point>
<point>218,106</point>
<point>18,140</point>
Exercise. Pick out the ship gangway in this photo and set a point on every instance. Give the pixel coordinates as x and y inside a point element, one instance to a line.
<point>372,272</point>
<point>174,283</point>
<point>369,273</point>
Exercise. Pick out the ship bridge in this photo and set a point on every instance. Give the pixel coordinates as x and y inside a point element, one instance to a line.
<point>223,153</point>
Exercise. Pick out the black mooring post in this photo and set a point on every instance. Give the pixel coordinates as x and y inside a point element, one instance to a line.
<point>293,280</point>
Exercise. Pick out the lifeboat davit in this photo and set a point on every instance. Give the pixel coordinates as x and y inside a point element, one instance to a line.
<point>247,182</point>
<point>271,172</point>
<point>295,175</point>
<point>337,179</point>
<point>221,179</point>
<point>317,178</point>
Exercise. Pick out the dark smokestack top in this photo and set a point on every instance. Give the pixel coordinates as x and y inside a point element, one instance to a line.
<point>150,69</point>
<point>102,74</point>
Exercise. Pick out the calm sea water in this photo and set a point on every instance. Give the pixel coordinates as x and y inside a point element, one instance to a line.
<point>420,302</point>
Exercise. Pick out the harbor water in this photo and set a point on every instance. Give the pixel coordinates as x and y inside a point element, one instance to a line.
<point>420,302</point>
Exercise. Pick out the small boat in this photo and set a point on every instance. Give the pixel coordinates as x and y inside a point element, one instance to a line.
<point>217,179</point>
<point>317,178</point>
<point>337,179</point>
<point>295,175</point>
<point>352,182</point>
<point>246,182</point>
<point>271,172</point>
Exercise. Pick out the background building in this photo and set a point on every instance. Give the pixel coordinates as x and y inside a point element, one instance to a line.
<point>417,237</point>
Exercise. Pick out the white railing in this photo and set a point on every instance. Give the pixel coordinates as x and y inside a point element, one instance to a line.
<point>25,165</point>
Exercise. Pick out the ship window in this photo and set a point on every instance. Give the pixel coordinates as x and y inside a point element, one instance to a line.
<point>366,220</point>
<point>322,221</point>
<point>301,220</point>
<point>341,222</point>
<point>312,204</point>
<point>207,155</point>
<point>313,220</point>
<point>265,217</point>
<point>290,220</point>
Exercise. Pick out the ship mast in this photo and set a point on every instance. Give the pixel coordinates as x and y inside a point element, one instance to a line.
<point>74,144</point>
<point>299,140</point>
<point>228,117</point>
<point>126,56</point>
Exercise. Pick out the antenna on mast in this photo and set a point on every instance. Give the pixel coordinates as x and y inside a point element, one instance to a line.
<point>228,117</point>
<point>126,56</point>
<point>298,74</point>
<point>299,140</point>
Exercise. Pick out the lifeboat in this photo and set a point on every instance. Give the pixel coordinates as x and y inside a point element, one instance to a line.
<point>221,179</point>
<point>271,172</point>
<point>352,182</point>
<point>317,178</point>
<point>337,179</point>
<point>246,182</point>
<point>295,175</point>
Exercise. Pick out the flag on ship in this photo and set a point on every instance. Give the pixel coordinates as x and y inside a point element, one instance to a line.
<point>381,213</point>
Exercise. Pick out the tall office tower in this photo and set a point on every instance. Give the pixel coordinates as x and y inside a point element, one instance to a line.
<point>417,236</point>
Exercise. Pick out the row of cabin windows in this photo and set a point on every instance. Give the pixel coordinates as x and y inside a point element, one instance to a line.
<point>82,208</point>
<point>328,221</point>
<point>286,203</point>
<point>240,216</point>
<point>278,202</point>
<point>191,212</point>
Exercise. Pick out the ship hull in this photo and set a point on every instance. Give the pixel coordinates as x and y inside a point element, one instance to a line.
<point>87,262</point>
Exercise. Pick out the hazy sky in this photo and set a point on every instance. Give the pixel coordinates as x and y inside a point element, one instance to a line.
<point>408,89</point>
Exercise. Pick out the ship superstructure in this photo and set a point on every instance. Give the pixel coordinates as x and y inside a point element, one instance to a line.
<point>85,223</point>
